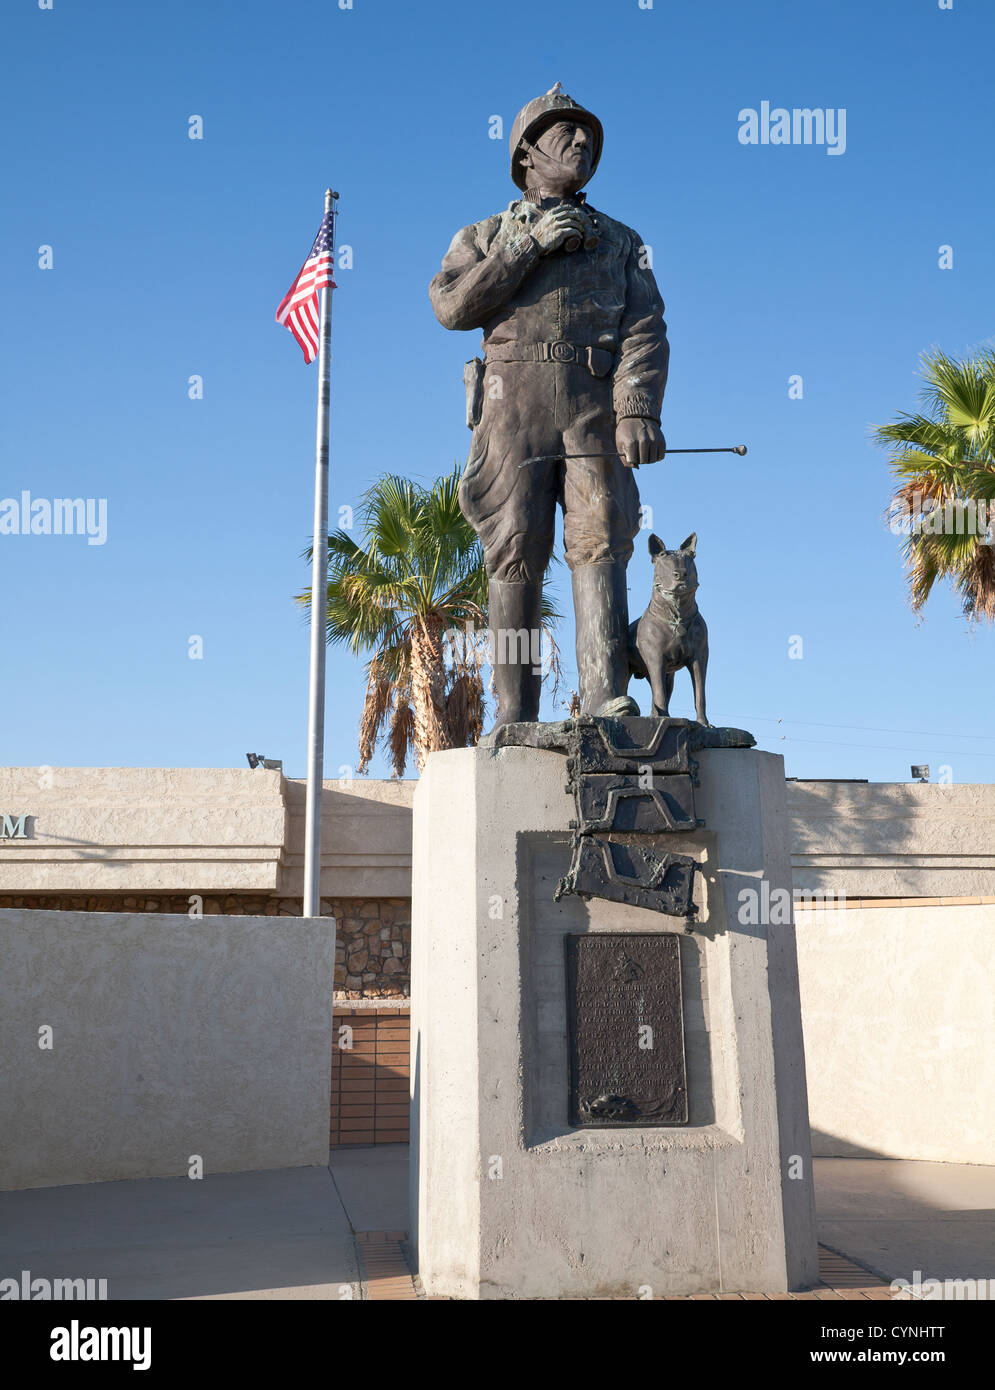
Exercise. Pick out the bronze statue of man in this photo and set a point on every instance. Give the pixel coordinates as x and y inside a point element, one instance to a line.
<point>575,365</point>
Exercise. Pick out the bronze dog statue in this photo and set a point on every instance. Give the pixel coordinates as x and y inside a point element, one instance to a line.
<point>671,633</point>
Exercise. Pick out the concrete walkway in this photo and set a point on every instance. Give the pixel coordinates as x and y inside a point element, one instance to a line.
<point>316,1233</point>
<point>897,1216</point>
<point>373,1185</point>
<point>277,1234</point>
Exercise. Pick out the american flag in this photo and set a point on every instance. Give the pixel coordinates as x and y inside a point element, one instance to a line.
<point>299,310</point>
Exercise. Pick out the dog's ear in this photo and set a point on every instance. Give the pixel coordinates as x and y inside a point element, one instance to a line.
<point>657,546</point>
<point>690,543</point>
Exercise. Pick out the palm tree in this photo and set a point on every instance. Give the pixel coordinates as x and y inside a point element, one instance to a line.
<point>413,592</point>
<point>944,460</point>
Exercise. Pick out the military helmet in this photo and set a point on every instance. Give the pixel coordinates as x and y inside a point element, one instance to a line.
<point>545,111</point>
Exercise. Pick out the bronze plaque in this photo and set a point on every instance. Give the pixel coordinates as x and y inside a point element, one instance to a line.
<point>626,1030</point>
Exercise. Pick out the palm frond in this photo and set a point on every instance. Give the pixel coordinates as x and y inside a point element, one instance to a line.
<point>379,695</point>
<point>400,738</point>
<point>413,575</point>
<point>943,462</point>
<point>465,709</point>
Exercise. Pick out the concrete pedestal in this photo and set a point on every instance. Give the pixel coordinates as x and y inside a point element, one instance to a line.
<point>507,1199</point>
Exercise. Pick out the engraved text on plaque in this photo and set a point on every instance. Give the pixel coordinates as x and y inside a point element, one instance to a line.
<point>626,1029</point>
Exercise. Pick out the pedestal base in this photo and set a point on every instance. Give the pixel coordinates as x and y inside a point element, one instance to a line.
<point>509,1198</point>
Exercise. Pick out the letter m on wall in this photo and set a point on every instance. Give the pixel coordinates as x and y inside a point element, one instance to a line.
<point>14,828</point>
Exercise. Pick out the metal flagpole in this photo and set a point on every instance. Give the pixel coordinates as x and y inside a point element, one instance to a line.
<point>319,589</point>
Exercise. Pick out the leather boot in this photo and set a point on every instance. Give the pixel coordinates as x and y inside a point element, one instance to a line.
<point>601,613</point>
<point>513,619</point>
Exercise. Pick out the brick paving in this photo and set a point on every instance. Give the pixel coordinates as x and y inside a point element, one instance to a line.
<point>839,1278</point>
<point>383,1267</point>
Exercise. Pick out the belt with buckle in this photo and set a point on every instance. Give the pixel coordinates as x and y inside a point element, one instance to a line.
<point>559,351</point>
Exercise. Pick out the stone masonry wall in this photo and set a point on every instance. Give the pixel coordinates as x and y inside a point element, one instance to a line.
<point>372,947</point>
<point>372,940</point>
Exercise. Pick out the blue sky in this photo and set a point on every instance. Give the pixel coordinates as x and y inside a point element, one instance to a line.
<point>170,256</point>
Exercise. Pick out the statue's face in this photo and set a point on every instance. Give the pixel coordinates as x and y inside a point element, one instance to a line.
<point>561,157</point>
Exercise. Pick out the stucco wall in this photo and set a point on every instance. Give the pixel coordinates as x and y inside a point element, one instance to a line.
<point>898,1011</point>
<point>893,839</point>
<point>131,829</point>
<point>199,830</point>
<point>231,831</point>
<point>128,838</point>
<point>372,935</point>
<point>170,1038</point>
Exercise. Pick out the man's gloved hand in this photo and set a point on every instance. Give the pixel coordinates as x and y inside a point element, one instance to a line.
<point>552,229</point>
<point>639,441</point>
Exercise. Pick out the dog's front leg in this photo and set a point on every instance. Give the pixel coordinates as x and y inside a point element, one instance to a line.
<point>698,668</point>
<point>662,684</point>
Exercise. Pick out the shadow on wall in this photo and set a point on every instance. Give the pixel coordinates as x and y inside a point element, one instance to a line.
<point>414,1155</point>
<point>833,1146</point>
<point>891,839</point>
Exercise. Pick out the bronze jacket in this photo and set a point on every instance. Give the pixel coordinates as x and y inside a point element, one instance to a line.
<point>494,278</point>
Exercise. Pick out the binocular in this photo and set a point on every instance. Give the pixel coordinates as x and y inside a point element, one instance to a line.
<point>590,238</point>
